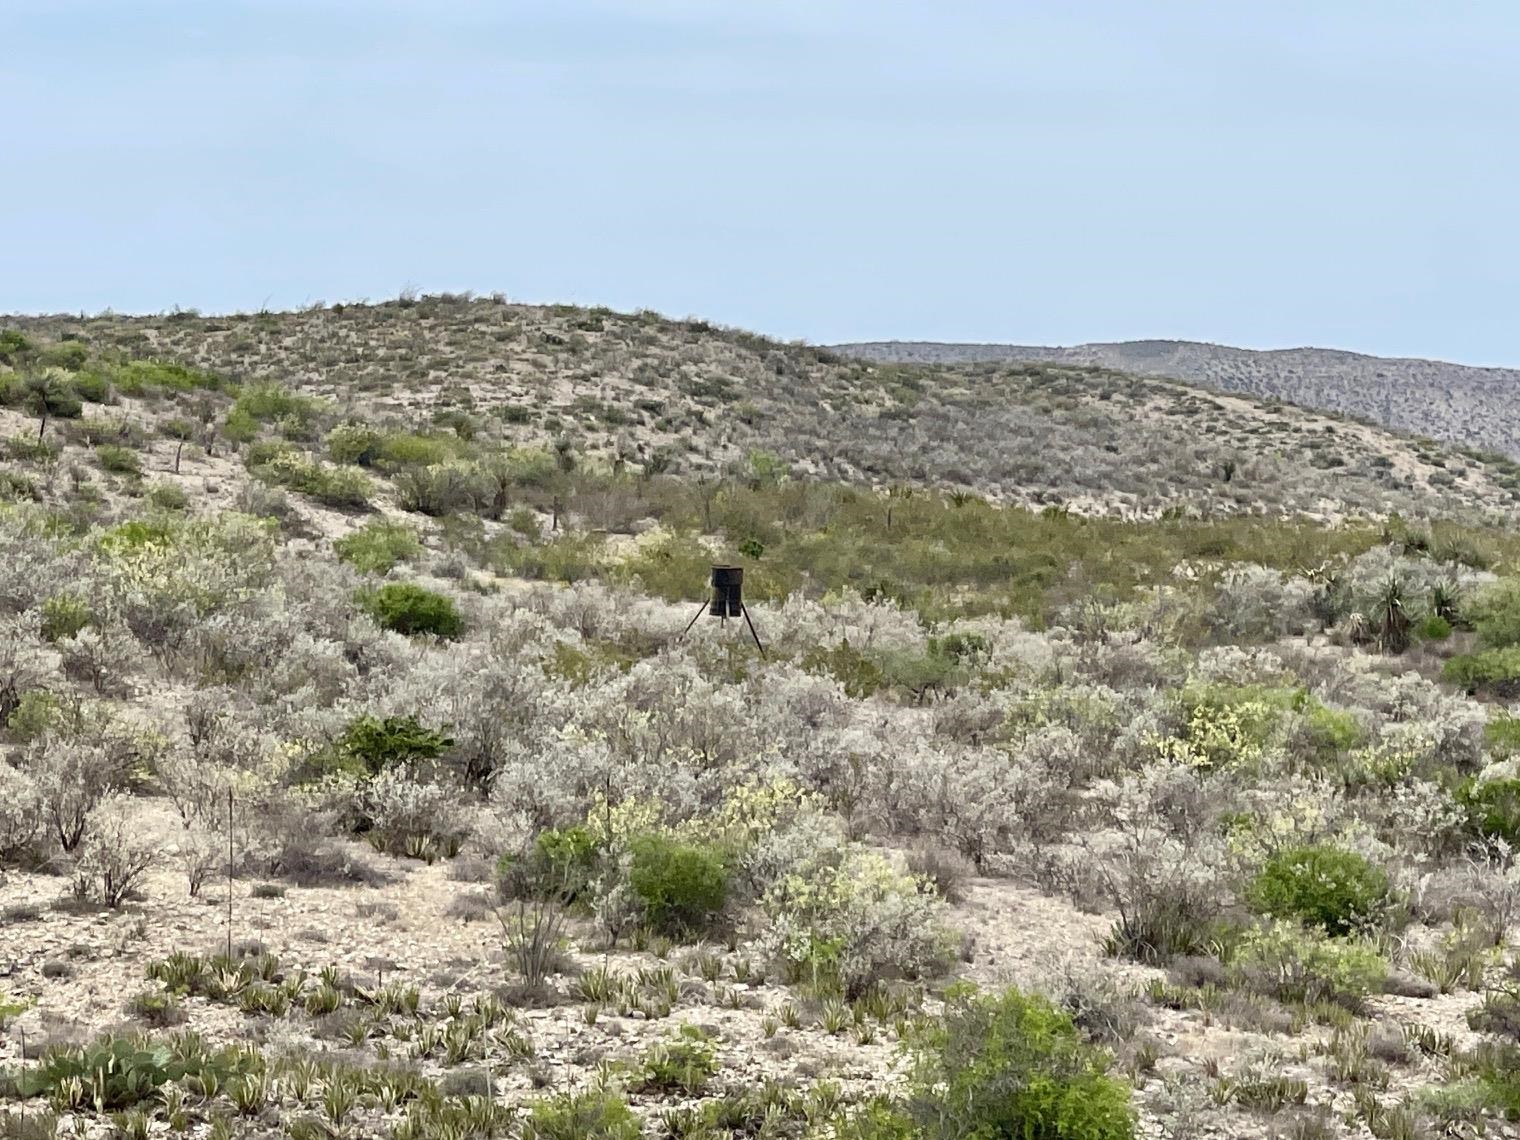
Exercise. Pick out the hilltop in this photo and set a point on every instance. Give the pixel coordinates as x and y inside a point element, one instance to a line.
<point>1466,405</point>
<point>685,396</point>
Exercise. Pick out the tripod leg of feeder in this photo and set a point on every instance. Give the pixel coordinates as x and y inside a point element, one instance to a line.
<point>752,633</point>
<point>693,620</point>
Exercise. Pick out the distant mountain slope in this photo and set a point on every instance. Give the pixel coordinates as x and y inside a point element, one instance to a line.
<point>1475,407</point>
<point>638,391</point>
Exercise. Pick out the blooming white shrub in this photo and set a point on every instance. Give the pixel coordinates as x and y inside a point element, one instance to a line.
<point>115,854</point>
<point>849,914</point>
<point>21,814</point>
<point>413,815</point>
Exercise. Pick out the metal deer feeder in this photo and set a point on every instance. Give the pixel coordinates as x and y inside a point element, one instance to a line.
<point>727,601</point>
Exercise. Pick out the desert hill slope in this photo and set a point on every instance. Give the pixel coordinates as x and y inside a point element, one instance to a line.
<point>688,397</point>
<point>1474,407</point>
<point>364,772</point>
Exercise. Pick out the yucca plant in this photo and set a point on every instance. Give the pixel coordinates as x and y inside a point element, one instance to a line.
<point>1390,621</point>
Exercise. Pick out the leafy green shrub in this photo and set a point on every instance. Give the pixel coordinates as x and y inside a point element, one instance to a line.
<point>369,746</point>
<point>353,443</point>
<point>683,1064</point>
<point>94,387</point>
<point>1334,889</point>
<point>117,459</point>
<point>1293,964</point>
<point>591,1115</point>
<point>14,346</point>
<point>559,865</point>
<point>1493,807</point>
<point>1489,669</point>
<point>70,355</point>
<point>681,887</point>
<point>398,450</point>
<point>376,547</point>
<point>282,466</point>
<point>51,394</point>
<point>1011,1065</point>
<point>410,609</point>
<point>138,377</point>
<point>1494,612</point>
<point>564,558</point>
<point>12,1007</point>
<point>877,1119</point>
<point>157,1009</point>
<point>1502,732</point>
<point>267,403</point>
<point>1434,628</point>
<point>441,488</point>
<point>168,497</point>
<point>64,615</point>
<point>847,918</point>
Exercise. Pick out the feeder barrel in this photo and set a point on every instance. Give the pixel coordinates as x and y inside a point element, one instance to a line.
<point>727,591</point>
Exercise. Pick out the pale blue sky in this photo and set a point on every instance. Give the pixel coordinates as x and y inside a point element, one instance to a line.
<point>1343,172</point>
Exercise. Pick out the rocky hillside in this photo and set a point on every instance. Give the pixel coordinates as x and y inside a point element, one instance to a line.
<point>1473,407</point>
<point>360,776</point>
<point>683,396</point>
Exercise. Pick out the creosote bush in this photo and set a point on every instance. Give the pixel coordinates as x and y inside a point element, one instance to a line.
<point>1306,966</point>
<point>378,546</point>
<point>1012,1064</point>
<point>590,1115</point>
<point>1334,889</point>
<point>681,887</point>
<point>409,609</point>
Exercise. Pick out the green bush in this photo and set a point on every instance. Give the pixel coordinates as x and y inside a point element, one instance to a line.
<point>1493,807</point>
<point>681,887</point>
<point>64,615</point>
<point>559,865</point>
<point>1502,732</point>
<point>168,497</point>
<point>1011,1065</point>
<point>51,395</point>
<point>240,427</point>
<point>1494,612</point>
<point>94,387</point>
<point>267,403</point>
<point>591,1115</point>
<point>877,1119</point>
<point>400,450</point>
<point>70,355</point>
<point>1435,628</point>
<point>14,346</point>
<point>1336,890</point>
<point>441,489</point>
<point>1293,964</point>
<point>683,1064</point>
<point>138,377</point>
<point>409,609</point>
<point>278,464</point>
<point>353,443</point>
<point>369,745</point>
<point>377,546</point>
<point>121,460</point>
<point>1494,669</point>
